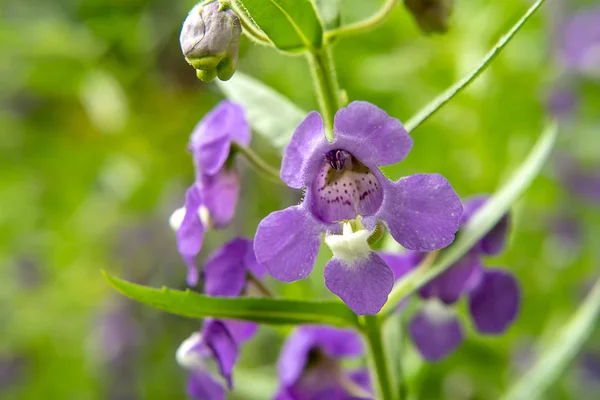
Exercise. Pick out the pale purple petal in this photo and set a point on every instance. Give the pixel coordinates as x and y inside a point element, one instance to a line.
<point>435,338</point>
<point>460,278</point>
<point>223,347</point>
<point>287,243</point>
<point>190,233</point>
<point>371,135</point>
<point>495,240</point>
<point>252,264</point>
<point>494,303</point>
<point>336,343</point>
<point>422,211</point>
<point>308,136</point>
<point>240,331</point>
<point>294,355</point>
<point>579,40</point>
<point>225,271</point>
<point>201,386</point>
<point>361,378</point>
<point>211,139</point>
<point>364,286</point>
<point>220,193</point>
<point>402,263</point>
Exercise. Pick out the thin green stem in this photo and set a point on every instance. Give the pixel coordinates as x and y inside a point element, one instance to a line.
<point>257,163</point>
<point>258,285</point>
<point>364,25</point>
<point>247,25</point>
<point>326,86</point>
<point>377,356</point>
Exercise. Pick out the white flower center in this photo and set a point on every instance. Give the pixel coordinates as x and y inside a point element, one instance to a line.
<point>437,311</point>
<point>204,216</point>
<point>186,357</point>
<point>176,218</point>
<point>350,247</point>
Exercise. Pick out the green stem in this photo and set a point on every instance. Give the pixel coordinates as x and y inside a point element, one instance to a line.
<point>256,162</point>
<point>326,85</point>
<point>377,355</point>
<point>364,25</point>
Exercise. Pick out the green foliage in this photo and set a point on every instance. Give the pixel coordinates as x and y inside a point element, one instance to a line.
<point>292,25</point>
<point>262,310</point>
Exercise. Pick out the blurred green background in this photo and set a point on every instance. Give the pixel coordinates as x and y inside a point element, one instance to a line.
<point>97,107</point>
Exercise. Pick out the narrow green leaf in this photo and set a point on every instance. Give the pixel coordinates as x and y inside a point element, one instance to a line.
<point>270,114</point>
<point>481,223</point>
<point>329,10</point>
<point>568,341</point>
<point>435,105</point>
<point>262,310</point>
<point>292,25</point>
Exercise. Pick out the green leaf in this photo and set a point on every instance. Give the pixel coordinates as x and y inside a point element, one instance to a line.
<point>329,10</point>
<point>270,114</point>
<point>567,343</point>
<point>435,105</point>
<point>262,310</point>
<point>292,25</point>
<point>481,223</point>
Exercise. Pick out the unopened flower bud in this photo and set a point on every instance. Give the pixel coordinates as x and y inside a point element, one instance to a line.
<point>431,15</point>
<point>209,39</point>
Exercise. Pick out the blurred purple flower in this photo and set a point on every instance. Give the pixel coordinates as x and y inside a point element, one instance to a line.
<point>218,342</point>
<point>579,41</point>
<point>580,181</point>
<point>344,190</point>
<point>309,366</point>
<point>211,200</point>
<point>562,102</point>
<point>493,294</point>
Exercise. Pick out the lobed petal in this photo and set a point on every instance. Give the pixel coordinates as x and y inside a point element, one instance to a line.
<point>422,211</point>
<point>494,303</point>
<point>287,243</point>
<point>222,345</point>
<point>190,233</point>
<point>202,386</point>
<point>435,337</point>
<point>364,285</point>
<point>220,194</point>
<point>308,136</point>
<point>402,263</point>
<point>371,135</point>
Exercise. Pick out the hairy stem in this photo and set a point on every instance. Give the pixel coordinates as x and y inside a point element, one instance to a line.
<point>364,25</point>
<point>326,86</point>
<point>377,357</point>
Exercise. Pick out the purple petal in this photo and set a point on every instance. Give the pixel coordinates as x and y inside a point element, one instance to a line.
<point>201,386</point>
<point>364,286</point>
<point>494,303</point>
<point>579,41</point>
<point>220,194</point>
<point>371,135</point>
<point>225,271</point>
<point>240,331</point>
<point>190,233</point>
<point>252,264</point>
<point>308,136</point>
<point>222,346</point>
<point>294,355</point>
<point>435,336</point>
<point>495,240</point>
<point>211,139</point>
<point>287,243</point>
<point>336,343</point>
<point>422,211</point>
<point>460,278</point>
<point>361,378</point>
<point>403,263</point>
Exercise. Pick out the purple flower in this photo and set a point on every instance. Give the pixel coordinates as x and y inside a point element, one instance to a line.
<point>211,200</point>
<point>493,294</point>
<point>580,181</point>
<point>579,42</point>
<point>218,343</point>
<point>346,196</point>
<point>309,366</point>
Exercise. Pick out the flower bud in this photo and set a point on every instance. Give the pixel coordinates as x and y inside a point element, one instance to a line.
<point>209,39</point>
<point>431,15</point>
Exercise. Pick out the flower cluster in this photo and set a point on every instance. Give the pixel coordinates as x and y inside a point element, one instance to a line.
<point>493,293</point>
<point>347,197</point>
